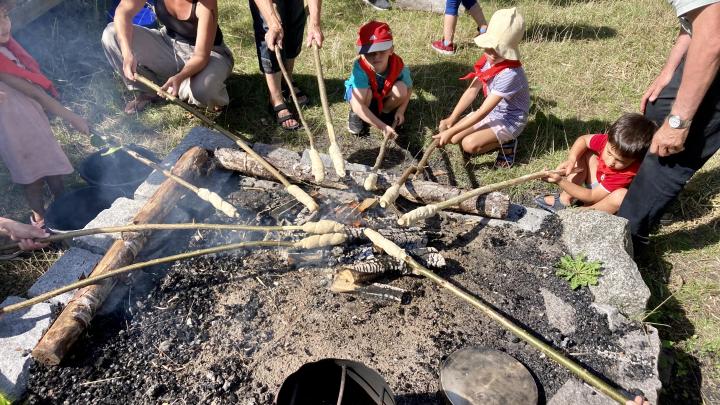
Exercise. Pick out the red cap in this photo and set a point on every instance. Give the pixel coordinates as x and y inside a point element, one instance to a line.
<point>374,36</point>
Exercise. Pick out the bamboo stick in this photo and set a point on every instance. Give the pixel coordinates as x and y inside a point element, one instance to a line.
<point>334,149</point>
<point>318,170</point>
<point>392,193</point>
<point>320,227</point>
<point>394,250</point>
<point>313,242</point>
<point>292,189</point>
<point>370,183</point>
<point>430,210</point>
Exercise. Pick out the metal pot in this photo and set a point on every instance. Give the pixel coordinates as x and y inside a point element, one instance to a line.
<point>116,169</point>
<point>75,209</point>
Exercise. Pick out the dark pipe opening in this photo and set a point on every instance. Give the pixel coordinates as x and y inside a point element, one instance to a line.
<point>117,169</point>
<point>74,209</point>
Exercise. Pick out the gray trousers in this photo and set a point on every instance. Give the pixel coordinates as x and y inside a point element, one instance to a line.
<point>161,57</point>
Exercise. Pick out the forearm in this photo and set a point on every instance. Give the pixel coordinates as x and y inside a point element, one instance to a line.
<point>579,148</point>
<point>193,66</point>
<point>123,23</point>
<point>677,53</point>
<point>490,102</point>
<point>701,62</point>
<point>576,191</point>
<point>465,101</point>
<point>37,93</point>
<point>267,11</point>
<point>4,223</point>
<point>314,9</point>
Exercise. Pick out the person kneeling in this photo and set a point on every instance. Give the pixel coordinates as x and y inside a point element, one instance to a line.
<point>600,167</point>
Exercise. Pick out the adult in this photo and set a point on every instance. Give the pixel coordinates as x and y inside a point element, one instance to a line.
<point>187,54</point>
<point>684,100</point>
<point>24,234</point>
<point>267,20</point>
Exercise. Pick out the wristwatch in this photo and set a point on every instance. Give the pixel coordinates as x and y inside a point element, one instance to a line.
<point>676,122</point>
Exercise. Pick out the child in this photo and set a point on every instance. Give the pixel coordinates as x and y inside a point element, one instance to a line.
<point>445,45</point>
<point>499,75</point>
<point>27,146</point>
<point>380,85</point>
<point>608,163</point>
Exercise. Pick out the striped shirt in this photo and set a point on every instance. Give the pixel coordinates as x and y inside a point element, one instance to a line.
<point>513,110</point>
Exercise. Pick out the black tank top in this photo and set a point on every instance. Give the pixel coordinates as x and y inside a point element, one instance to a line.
<point>183,30</point>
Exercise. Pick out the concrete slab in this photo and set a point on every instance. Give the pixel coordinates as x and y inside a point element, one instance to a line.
<point>72,266</point>
<point>19,333</point>
<point>121,212</point>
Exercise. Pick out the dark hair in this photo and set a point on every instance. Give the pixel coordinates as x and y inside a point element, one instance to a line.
<point>631,135</point>
<point>7,4</point>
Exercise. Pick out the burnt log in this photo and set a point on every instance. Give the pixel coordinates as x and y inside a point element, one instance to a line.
<point>82,307</point>
<point>493,205</point>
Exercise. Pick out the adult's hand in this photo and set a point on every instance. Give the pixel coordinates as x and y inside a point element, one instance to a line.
<point>172,85</point>
<point>668,141</point>
<point>652,93</point>
<point>23,234</point>
<point>274,37</point>
<point>315,35</point>
<point>129,66</point>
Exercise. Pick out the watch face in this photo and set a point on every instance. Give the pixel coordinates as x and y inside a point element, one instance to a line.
<point>674,121</point>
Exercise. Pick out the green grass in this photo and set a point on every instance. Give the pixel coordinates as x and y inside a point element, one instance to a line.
<point>587,62</point>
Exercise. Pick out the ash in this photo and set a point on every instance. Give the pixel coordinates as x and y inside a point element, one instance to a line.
<point>230,328</point>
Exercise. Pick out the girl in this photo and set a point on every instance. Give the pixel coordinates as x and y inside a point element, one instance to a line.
<point>27,146</point>
<point>445,45</point>
<point>499,75</point>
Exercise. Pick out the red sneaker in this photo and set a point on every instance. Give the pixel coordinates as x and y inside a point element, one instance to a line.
<point>440,47</point>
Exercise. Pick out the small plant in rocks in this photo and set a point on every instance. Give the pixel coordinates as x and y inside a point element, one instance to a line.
<point>579,271</point>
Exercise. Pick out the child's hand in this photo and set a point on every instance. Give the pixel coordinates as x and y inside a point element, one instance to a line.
<point>443,138</point>
<point>446,123</point>
<point>567,166</point>
<point>399,118</point>
<point>553,177</point>
<point>389,132</point>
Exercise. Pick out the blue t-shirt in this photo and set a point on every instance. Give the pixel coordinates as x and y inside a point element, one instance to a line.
<point>360,80</point>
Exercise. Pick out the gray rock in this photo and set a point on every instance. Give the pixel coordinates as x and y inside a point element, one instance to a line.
<point>605,237</point>
<point>73,265</point>
<point>525,218</point>
<point>638,348</point>
<point>614,317</point>
<point>433,6</point>
<point>19,333</point>
<point>198,136</point>
<point>560,314</point>
<point>121,212</point>
<point>577,392</point>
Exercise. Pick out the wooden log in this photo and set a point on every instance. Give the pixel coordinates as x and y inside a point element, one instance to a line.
<point>81,309</point>
<point>493,205</point>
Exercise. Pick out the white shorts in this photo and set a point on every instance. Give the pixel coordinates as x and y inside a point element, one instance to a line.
<point>502,133</point>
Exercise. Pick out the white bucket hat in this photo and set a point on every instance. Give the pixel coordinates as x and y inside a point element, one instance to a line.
<point>504,33</point>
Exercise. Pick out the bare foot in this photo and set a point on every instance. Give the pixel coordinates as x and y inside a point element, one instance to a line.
<point>140,102</point>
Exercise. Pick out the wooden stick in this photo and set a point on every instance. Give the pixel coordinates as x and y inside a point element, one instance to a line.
<point>392,193</point>
<point>430,210</point>
<point>370,183</point>
<point>426,155</point>
<point>320,227</point>
<point>81,309</point>
<point>334,149</point>
<point>395,251</point>
<point>318,170</point>
<point>294,190</point>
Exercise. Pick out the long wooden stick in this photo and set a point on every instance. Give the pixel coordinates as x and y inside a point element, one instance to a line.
<point>292,189</point>
<point>370,183</point>
<point>426,155</point>
<point>320,227</point>
<point>394,250</point>
<point>334,149</point>
<point>430,210</point>
<point>318,170</point>
<point>316,243</point>
<point>392,193</point>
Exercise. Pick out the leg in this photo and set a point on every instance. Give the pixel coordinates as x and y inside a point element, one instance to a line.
<point>588,163</point>
<point>56,185</point>
<point>34,197</point>
<point>480,141</point>
<point>207,88</point>
<point>449,25</point>
<point>398,95</point>
<point>473,8</point>
<point>611,203</point>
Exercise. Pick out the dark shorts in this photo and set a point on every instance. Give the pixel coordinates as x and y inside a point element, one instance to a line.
<point>292,15</point>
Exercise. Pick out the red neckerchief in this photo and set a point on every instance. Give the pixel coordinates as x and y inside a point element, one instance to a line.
<point>31,72</point>
<point>395,67</point>
<point>487,75</point>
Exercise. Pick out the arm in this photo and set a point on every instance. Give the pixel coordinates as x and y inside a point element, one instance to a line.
<point>581,145</point>
<point>464,127</point>
<point>465,101</point>
<point>400,111</point>
<point>676,54</point>
<point>124,14</point>
<point>206,12</point>
<point>314,33</point>
<point>22,233</point>
<point>359,103</point>
<point>274,34</point>
<point>701,67</point>
<point>583,194</point>
<point>48,103</point>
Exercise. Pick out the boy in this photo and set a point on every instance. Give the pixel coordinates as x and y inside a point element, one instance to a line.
<point>380,85</point>
<point>607,163</point>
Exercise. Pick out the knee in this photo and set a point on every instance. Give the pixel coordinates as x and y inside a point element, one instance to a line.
<point>616,198</point>
<point>469,145</point>
<point>208,90</point>
<point>108,36</point>
<point>399,90</point>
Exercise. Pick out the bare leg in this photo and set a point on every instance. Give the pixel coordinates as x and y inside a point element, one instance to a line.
<point>449,24</point>
<point>398,95</point>
<point>480,141</point>
<point>611,203</point>
<point>57,187</point>
<point>477,14</point>
<point>34,196</point>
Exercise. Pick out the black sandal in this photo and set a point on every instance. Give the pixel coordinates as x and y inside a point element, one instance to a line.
<point>275,110</point>
<point>303,99</point>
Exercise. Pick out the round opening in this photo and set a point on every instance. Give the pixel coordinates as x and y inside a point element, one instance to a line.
<point>75,209</point>
<point>117,169</point>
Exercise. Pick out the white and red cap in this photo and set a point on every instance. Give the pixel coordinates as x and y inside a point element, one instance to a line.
<point>374,36</point>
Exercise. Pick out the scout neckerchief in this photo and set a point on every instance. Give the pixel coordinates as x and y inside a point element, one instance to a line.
<point>31,72</point>
<point>486,76</point>
<point>395,67</point>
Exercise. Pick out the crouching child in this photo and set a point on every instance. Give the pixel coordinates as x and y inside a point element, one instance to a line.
<point>600,167</point>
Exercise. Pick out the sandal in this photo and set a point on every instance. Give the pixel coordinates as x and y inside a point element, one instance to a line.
<point>275,111</point>
<point>303,99</point>
<point>506,155</point>
<point>556,206</point>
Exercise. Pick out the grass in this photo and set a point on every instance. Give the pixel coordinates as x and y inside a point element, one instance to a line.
<point>587,61</point>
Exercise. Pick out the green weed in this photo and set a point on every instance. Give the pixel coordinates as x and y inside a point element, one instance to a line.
<point>579,271</point>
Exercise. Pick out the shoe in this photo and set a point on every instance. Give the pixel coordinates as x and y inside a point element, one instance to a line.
<point>506,156</point>
<point>556,206</point>
<point>275,112</point>
<point>357,126</point>
<point>440,47</point>
<point>381,5</point>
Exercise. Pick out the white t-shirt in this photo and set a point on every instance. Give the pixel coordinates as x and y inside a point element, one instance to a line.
<point>683,7</point>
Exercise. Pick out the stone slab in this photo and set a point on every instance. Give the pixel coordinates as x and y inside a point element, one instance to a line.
<point>198,136</point>
<point>576,392</point>
<point>606,238</point>
<point>72,266</point>
<point>525,218</point>
<point>19,333</point>
<point>560,314</point>
<point>121,212</point>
